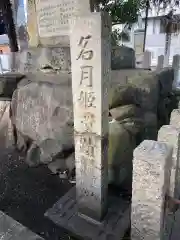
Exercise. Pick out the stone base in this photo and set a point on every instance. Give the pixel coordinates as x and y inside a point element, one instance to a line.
<point>114,226</point>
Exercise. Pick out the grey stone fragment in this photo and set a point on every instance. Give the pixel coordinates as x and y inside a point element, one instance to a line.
<point>151,182</point>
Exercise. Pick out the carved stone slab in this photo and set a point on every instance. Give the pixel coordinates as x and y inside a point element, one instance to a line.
<point>48,21</point>
<point>114,226</point>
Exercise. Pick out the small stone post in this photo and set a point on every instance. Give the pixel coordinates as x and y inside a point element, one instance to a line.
<point>90,56</point>
<point>176,62</point>
<point>171,135</point>
<point>176,67</point>
<point>175,118</point>
<point>146,60</point>
<point>160,62</point>
<point>151,179</point>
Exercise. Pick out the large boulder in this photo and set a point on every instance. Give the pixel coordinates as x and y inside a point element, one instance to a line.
<point>42,108</point>
<point>42,112</point>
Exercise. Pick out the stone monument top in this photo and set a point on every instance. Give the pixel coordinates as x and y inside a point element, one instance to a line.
<point>48,21</point>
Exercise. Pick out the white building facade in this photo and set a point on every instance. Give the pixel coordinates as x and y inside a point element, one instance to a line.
<point>155,37</point>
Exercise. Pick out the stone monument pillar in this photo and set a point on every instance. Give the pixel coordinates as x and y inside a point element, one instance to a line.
<point>88,210</point>
<point>90,56</point>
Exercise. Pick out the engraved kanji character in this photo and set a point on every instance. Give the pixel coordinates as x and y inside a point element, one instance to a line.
<point>85,54</point>
<point>87,99</point>
<point>86,74</point>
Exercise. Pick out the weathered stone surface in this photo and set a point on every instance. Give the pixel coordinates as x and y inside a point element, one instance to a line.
<point>151,181</point>
<point>13,230</point>
<point>90,55</point>
<point>114,226</point>
<point>171,135</point>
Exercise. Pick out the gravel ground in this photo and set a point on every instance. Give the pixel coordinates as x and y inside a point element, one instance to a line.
<point>26,193</point>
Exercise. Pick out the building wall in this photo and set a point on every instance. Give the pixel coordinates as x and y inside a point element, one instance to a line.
<point>155,40</point>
